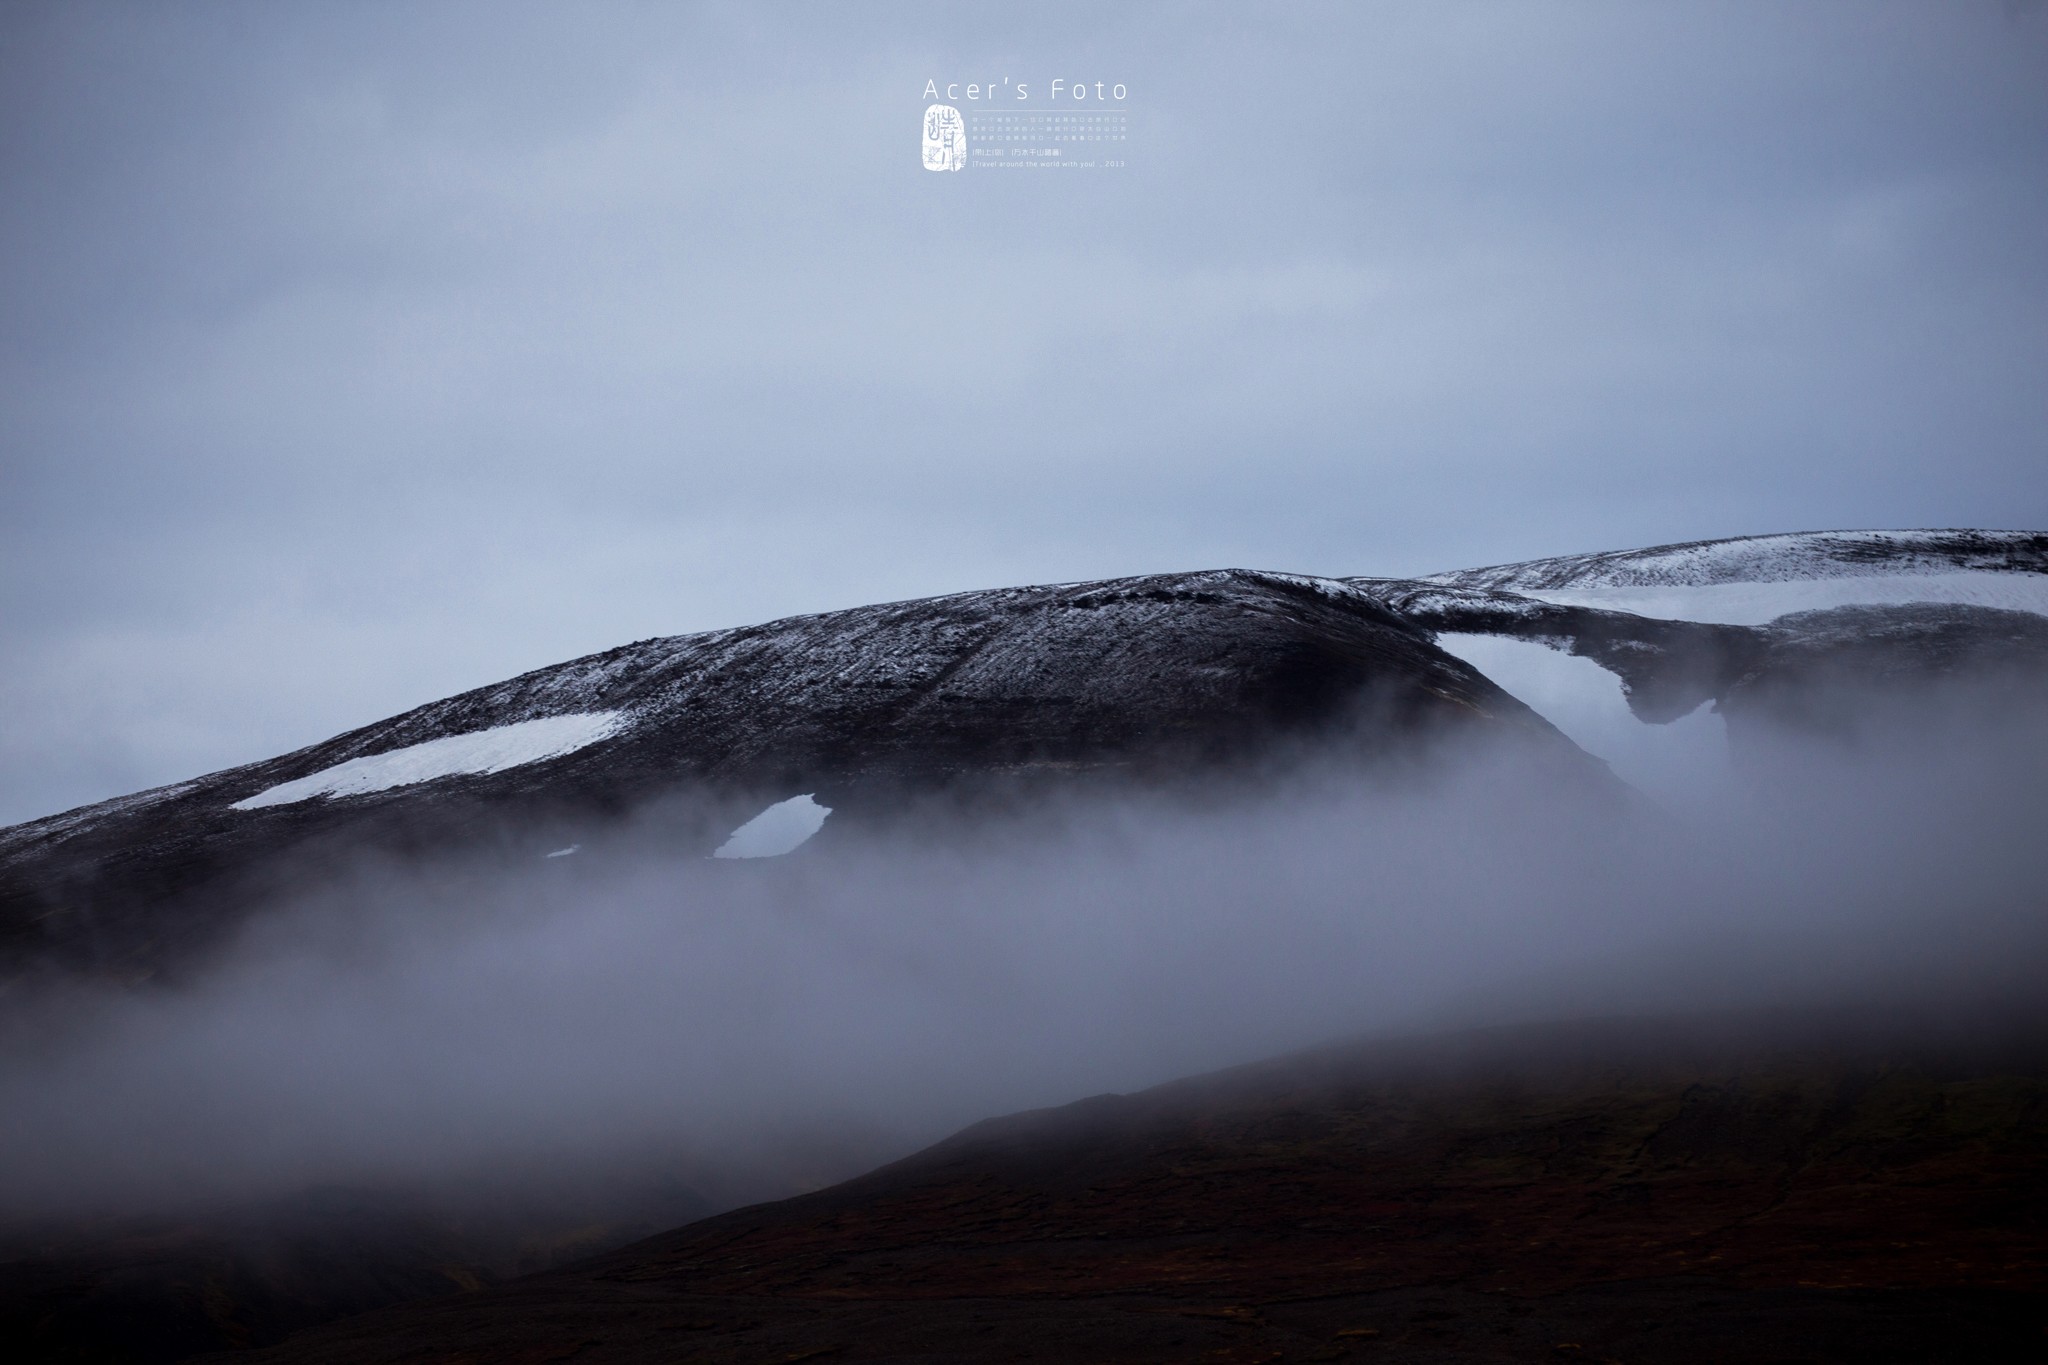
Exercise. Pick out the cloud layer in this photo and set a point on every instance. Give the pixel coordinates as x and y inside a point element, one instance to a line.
<point>743,1028</point>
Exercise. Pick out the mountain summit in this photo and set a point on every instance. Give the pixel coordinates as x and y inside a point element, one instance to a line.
<point>1019,690</point>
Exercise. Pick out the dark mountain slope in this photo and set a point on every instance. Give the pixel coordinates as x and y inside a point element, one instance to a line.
<point>980,695</point>
<point>1648,1191</point>
<point>1666,668</point>
<point>1026,686</point>
<point>1818,670</point>
<point>1849,670</point>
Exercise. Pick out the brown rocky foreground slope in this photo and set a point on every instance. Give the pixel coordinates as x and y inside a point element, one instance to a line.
<point>1746,1190</point>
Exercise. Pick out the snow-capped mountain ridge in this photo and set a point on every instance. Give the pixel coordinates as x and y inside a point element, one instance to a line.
<point>1105,681</point>
<point>1128,679</point>
<point>1786,557</point>
<point>889,645</point>
<point>1743,624</point>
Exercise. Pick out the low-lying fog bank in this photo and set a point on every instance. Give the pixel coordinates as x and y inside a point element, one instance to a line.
<point>626,1024</point>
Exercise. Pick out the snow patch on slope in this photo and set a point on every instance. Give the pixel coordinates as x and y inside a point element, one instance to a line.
<point>480,751</point>
<point>781,828</point>
<point>1585,701</point>
<point>1755,604</point>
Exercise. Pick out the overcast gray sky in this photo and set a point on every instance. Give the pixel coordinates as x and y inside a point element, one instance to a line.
<point>352,355</point>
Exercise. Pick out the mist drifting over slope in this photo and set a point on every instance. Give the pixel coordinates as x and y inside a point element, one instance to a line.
<point>633,1018</point>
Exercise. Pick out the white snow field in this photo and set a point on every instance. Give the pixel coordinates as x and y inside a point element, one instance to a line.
<point>1754,604</point>
<point>1585,701</point>
<point>481,751</point>
<point>777,830</point>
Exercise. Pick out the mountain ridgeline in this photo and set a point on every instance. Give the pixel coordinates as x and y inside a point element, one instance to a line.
<point>988,697</point>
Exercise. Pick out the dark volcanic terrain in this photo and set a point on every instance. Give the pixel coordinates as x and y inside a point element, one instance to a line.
<point>1697,1191</point>
<point>981,695</point>
<point>988,697</point>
